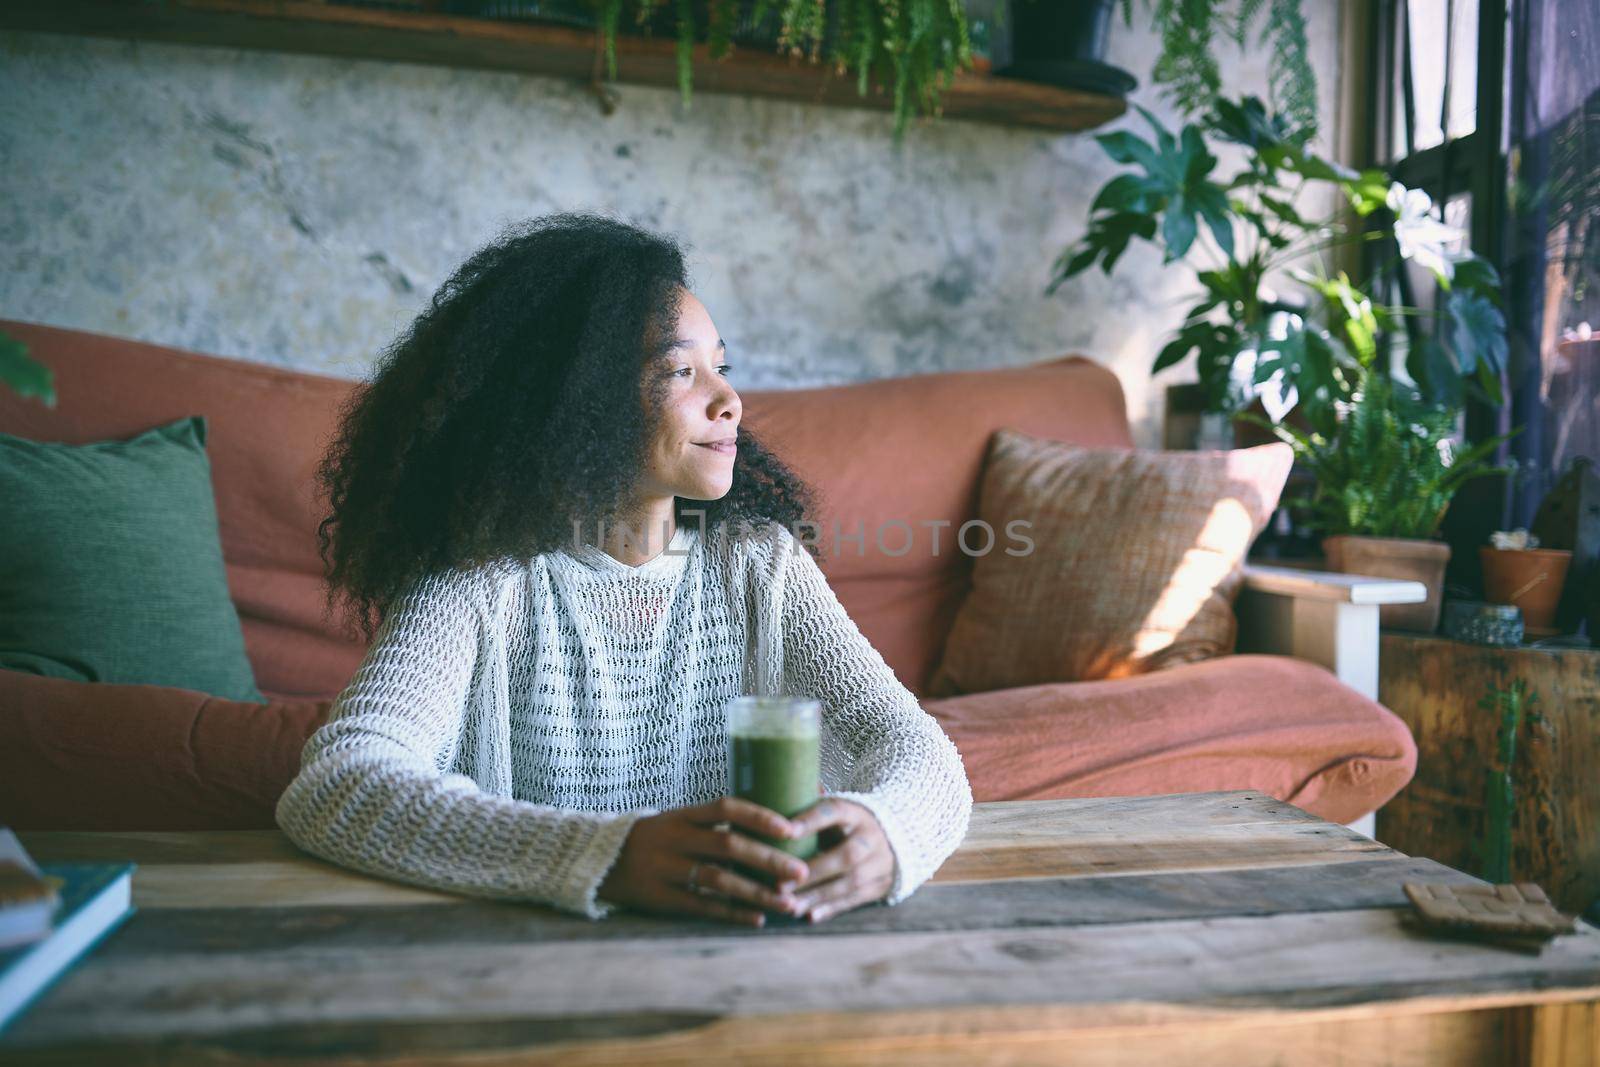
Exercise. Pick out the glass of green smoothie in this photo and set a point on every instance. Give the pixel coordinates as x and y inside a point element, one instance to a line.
<point>774,759</point>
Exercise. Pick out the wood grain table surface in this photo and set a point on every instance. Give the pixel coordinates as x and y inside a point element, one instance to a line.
<point>1200,928</point>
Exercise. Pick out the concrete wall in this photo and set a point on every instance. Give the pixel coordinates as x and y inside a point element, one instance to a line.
<point>299,210</point>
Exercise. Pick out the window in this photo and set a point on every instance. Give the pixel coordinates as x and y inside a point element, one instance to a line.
<point>1436,127</point>
<point>1493,108</point>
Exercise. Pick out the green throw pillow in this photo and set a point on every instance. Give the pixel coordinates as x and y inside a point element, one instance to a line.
<point>111,564</point>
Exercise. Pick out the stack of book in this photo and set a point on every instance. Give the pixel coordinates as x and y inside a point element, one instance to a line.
<point>50,917</point>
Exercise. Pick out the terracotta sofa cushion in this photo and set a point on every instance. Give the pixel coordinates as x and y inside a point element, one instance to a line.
<point>1281,726</point>
<point>95,756</point>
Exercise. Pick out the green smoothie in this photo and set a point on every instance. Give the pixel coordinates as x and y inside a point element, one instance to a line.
<point>781,773</point>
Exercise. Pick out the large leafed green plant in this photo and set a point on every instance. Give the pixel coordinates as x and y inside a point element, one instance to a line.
<point>1309,346</point>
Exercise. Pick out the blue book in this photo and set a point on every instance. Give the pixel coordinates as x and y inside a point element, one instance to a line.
<point>95,899</point>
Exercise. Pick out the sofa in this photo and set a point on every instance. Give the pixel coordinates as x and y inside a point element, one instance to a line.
<point>1291,714</point>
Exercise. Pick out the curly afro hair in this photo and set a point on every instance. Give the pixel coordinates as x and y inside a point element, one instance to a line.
<point>512,411</point>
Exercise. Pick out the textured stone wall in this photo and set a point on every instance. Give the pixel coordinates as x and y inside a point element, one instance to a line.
<point>299,210</point>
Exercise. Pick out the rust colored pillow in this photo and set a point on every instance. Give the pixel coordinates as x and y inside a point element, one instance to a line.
<point>95,756</point>
<point>1135,563</point>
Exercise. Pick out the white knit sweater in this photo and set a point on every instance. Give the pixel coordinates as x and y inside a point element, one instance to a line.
<point>511,722</point>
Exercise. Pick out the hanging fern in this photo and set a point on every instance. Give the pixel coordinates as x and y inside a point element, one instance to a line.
<point>1248,10</point>
<point>916,47</point>
<point>913,48</point>
<point>610,12</point>
<point>1292,82</point>
<point>719,35</point>
<point>685,48</point>
<point>1187,68</point>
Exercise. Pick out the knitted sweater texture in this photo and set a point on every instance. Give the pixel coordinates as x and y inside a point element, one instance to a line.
<point>511,722</point>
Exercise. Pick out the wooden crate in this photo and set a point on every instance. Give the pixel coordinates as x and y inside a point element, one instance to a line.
<point>1435,685</point>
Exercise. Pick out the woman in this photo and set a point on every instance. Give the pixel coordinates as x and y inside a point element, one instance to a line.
<point>569,554</point>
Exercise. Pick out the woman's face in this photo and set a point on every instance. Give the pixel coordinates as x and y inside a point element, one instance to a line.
<point>693,451</point>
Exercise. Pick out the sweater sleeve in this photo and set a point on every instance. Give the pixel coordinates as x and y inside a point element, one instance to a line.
<point>879,747</point>
<point>374,793</point>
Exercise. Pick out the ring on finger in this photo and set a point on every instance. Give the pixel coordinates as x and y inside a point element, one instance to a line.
<point>693,885</point>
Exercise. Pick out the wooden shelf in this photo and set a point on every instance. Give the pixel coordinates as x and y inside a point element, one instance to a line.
<point>531,48</point>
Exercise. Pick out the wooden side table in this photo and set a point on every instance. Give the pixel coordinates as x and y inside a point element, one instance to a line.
<point>1435,684</point>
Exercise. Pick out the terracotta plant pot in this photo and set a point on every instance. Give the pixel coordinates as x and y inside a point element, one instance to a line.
<point>1395,557</point>
<point>1530,578</point>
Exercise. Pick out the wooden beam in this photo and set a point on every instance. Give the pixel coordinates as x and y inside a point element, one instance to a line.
<point>536,48</point>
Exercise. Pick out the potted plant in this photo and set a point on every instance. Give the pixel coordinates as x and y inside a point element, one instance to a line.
<point>1517,571</point>
<point>579,13</point>
<point>1054,43</point>
<point>1383,479</point>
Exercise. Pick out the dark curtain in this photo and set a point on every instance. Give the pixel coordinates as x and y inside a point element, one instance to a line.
<point>1552,243</point>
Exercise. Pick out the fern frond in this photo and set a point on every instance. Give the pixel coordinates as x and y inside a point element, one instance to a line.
<point>1292,83</point>
<point>1244,18</point>
<point>610,12</point>
<point>724,14</point>
<point>685,48</point>
<point>1187,69</point>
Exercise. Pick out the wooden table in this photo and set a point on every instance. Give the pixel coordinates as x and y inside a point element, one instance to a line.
<point>1211,928</point>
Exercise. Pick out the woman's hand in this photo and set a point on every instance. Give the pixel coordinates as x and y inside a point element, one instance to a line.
<point>661,852</point>
<point>856,866</point>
